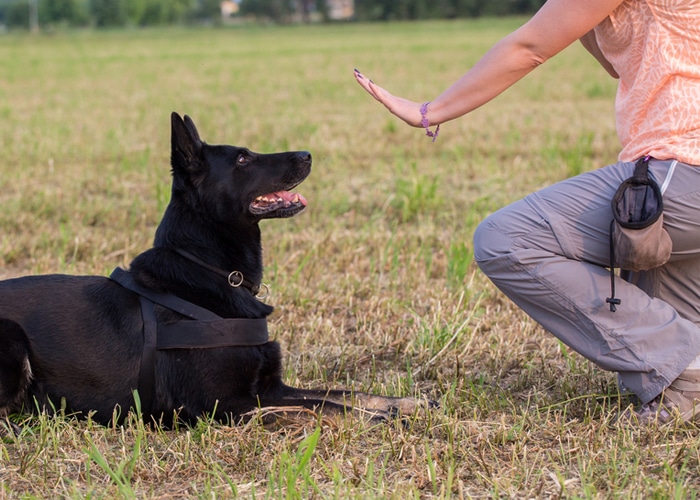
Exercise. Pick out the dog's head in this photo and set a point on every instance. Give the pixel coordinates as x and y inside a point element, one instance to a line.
<point>229,181</point>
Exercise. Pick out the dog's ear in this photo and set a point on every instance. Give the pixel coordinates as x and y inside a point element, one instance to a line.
<point>191,127</point>
<point>185,142</point>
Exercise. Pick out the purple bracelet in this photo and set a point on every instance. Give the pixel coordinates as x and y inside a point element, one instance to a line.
<point>426,124</point>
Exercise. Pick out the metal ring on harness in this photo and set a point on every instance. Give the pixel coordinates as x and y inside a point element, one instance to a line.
<point>232,279</point>
<point>263,291</point>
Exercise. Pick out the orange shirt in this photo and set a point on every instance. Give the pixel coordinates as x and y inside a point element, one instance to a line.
<point>654,45</point>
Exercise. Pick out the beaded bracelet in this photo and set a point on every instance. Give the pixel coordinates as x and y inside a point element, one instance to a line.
<point>426,124</point>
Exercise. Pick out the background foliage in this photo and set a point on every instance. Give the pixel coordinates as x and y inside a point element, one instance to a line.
<point>386,10</point>
<point>119,13</point>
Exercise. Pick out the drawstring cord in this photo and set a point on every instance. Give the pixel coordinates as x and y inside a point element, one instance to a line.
<point>612,300</point>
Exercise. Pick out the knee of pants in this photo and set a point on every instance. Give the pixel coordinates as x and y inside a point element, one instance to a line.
<point>492,240</point>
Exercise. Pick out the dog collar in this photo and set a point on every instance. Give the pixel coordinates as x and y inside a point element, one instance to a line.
<point>234,278</point>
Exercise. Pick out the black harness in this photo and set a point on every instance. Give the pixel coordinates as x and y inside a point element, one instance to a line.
<point>203,330</point>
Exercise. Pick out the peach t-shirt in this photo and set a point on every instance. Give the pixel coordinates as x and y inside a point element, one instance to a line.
<point>654,45</point>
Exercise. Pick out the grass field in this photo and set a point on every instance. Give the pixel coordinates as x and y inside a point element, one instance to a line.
<point>374,285</point>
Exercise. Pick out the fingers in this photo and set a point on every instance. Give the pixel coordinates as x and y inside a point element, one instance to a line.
<point>406,110</point>
<point>367,84</point>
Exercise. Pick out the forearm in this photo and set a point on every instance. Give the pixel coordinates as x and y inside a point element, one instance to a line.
<point>556,25</point>
<point>507,62</point>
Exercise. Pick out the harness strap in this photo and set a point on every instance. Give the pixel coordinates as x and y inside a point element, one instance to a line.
<point>148,356</point>
<point>166,300</point>
<point>206,334</point>
<point>204,330</point>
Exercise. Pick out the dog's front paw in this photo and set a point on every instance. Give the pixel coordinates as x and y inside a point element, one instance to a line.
<point>409,406</point>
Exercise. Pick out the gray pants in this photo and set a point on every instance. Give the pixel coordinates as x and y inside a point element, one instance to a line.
<point>548,253</point>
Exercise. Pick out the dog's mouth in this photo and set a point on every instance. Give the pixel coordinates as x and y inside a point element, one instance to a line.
<point>279,204</point>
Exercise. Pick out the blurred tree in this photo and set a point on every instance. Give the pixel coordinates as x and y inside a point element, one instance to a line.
<point>109,13</point>
<point>115,13</point>
<point>387,10</point>
<point>69,12</point>
<point>277,10</point>
<point>15,14</point>
<point>208,10</point>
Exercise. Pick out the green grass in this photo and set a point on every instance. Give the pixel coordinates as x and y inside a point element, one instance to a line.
<point>374,286</point>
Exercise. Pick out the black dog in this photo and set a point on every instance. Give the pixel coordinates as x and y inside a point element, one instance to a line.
<point>190,337</point>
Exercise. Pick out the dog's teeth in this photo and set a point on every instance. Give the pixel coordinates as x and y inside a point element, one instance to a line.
<point>295,199</point>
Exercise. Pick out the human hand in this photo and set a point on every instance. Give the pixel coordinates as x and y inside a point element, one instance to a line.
<point>406,110</point>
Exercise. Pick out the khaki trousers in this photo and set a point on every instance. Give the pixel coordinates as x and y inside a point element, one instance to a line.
<point>549,254</point>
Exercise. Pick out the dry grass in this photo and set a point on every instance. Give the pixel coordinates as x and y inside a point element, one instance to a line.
<point>374,286</point>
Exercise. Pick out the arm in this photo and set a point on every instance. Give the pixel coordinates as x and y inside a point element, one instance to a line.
<point>556,25</point>
<point>591,44</point>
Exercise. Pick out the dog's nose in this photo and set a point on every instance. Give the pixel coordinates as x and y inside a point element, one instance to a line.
<point>304,156</point>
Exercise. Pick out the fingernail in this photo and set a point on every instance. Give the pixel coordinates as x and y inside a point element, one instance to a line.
<point>357,72</point>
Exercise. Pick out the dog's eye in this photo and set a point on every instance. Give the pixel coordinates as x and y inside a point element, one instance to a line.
<point>242,160</point>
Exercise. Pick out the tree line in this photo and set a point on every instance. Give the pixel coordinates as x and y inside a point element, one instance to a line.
<point>387,10</point>
<point>117,13</point>
<point>105,13</point>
